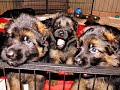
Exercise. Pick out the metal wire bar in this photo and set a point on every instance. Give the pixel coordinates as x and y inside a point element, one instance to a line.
<point>34,80</point>
<point>109,81</point>
<point>92,7</point>
<point>52,67</point>
<point>49,79</point>
<point>79,81</point>
<point>47,9</point>
<point>94,82</point>
<point>4,72</point>
<point>64,82</point>
<point>20,79</point>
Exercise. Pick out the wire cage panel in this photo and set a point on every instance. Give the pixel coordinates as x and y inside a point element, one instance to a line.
<point>47,6</point>
<point>52,6</point>
<point>106,7</point>
<point>48,70</point>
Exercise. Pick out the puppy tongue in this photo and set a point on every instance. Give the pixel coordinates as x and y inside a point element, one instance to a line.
<point>60,43</point>
<point>85,74</point>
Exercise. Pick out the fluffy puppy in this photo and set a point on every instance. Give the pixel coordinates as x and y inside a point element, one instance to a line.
<point>26,42</point>
<point>63,43</point>
<point>99,46</point>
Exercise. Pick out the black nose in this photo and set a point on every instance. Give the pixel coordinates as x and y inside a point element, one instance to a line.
<point>78,61</point>
<point>10,53</point>
<point>81,61</point>
<point>61,33</point>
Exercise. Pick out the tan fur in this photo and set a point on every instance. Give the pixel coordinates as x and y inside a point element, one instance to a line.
<point>100,84</point>
<point>111,60</point>
<point>109,36</point>
<point>42,29</point>
<point>57,54</point>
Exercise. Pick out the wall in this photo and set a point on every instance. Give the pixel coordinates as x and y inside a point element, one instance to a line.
<point>5,5</point>
<point>107,7</point>
<point>101,7</point>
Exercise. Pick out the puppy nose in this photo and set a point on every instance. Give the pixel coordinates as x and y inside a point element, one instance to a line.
<point>78,61</point>
<point>10,53</point>
<point>81,61</point>
<point>61,33</point>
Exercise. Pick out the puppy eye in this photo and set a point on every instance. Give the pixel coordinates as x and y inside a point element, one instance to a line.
<point>93,50</point>
<point>27,41</point>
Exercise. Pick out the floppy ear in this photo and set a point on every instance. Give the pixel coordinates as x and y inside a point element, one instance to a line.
<point>48,22</point>
<point>109,36</point>
<point>113,40</point>
<point>48,19</point>
<point>44,34</point>
<point>42,29</point>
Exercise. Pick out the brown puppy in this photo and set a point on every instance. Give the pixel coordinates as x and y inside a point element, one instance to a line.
<point>63,45</point>
<point>64,39</point>
<point>99,46</point>
<point>27,42</point>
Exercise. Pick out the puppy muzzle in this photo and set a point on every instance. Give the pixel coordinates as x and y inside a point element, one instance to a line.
<point>61,33</point>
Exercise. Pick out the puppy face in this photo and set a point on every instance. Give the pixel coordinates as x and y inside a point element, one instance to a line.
<point>26,41</point>
<point>99,46</point>
<point>64,28</point>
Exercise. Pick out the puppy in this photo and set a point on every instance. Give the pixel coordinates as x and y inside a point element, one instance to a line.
<point>15,13</point>
<point>63,44</point>
<point>26,42</point>
<point>99,46</point>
